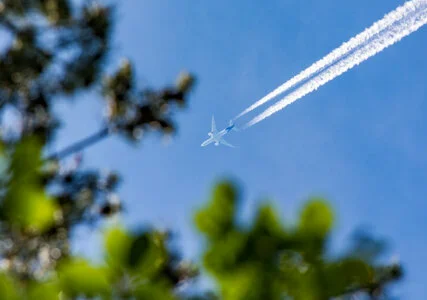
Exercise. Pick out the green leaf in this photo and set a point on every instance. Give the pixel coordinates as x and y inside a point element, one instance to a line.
<point>316,218</point>
<point>36,211</point>
<point>117,244</point>
<point>267,223</point>
<point>26,203</point>
<point>143,254</point>
<point>347,272</point>
<point>154,291</point>
<point>78,277</point>
<point>267,220</point>
<point>226,254</point>
<point>148,254</point>
<point>45,291</point>
<point>8,289</point>
<point>249,283</point>
<point>218,217</point>
<point>25,164</point>
<point>30,208</point>
<point>139,248</point>
<point>266,237</point>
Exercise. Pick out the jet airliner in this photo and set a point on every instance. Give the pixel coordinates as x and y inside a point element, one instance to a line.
<point>216,136</point>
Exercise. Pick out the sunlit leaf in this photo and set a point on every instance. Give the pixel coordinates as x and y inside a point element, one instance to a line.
<point>8,288</point>
<point>78,277</point>
<point>117,244</point>
<point>249,282</point>
<point>45,291</point>
<point>35,210</point>
<point>26,203</point>
<point>316,218</point>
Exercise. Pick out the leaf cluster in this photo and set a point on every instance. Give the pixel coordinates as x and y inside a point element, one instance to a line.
<point>268,260</point>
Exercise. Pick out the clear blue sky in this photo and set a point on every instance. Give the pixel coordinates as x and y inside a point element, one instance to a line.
<point>360,141</point>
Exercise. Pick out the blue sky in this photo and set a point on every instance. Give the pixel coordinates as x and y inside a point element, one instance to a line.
<point>360,141</point>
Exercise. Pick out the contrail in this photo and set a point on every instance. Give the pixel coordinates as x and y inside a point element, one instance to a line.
<point>355,42</point>
<point>394,34</point>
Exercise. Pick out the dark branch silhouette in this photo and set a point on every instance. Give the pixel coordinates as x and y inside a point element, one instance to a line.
<point>80,145</point>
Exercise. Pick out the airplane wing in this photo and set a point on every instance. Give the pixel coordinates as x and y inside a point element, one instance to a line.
<point>207,142</point>
<point>213,129</point>
<point>224,142</point>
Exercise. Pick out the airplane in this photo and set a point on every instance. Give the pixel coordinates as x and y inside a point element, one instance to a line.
<point>216,136</point>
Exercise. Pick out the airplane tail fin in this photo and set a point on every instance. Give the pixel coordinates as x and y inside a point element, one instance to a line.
<point>213,125</point>
<point>234,127</point>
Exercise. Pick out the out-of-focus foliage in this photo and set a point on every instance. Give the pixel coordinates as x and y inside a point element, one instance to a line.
<point>8,288</point>
<point>143,264</point>
<point>58,49</point>
<point>132,112</point>
<point>78,277</point>
<point>26,205</point>
<point>262,260</point>
<point>267,260</point>
<point>35,258</point>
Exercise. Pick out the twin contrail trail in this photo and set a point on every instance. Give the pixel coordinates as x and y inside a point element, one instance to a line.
<point>383,40</point>
<point>369,35</point>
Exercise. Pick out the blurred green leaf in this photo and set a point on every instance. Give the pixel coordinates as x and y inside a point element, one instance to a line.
<point>154,291</point>
<point>340,275</point>
<point>268,222</point>
<point>78,277</point>
<point>218,217</point>
<point>240,284</point>
<point>316,218</point>
<point>8,289</point>
<point>149,254</point>
<point>251,281</point>
<point>45,291</point>
<point>26,163</point>
<point>32,209</point>
<point>225,255</point>
<point>267,235</point>
<point>139,248</point>
<point>117,243</point>
<point>26,203</point>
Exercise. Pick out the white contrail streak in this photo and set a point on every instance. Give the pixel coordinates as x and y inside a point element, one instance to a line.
<point>394,34</point>
<point>355,42</point>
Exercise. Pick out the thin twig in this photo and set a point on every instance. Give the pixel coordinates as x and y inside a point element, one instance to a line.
<point>80,145</point>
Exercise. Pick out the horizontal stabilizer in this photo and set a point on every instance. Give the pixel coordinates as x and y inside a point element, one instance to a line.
<point>224,142</point>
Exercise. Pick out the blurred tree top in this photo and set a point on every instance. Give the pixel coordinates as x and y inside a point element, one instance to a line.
<point>59,49</point>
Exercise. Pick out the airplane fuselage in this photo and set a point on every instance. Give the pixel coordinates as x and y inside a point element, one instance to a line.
<point>216,136</point>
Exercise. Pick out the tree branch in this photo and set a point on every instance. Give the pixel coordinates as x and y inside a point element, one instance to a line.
<point>80,145</point>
